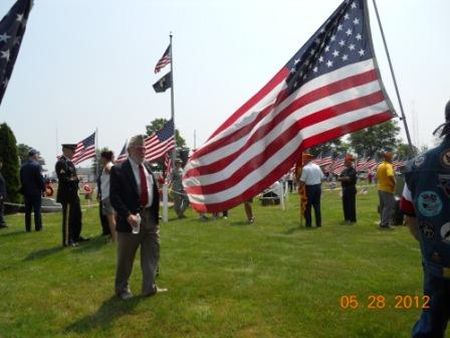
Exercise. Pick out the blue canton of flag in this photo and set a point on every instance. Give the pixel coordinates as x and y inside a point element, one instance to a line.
<point>12,29</point>
<point>157,144</point>
<point>342,40</point>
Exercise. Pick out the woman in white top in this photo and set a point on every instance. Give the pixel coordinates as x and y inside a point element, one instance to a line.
<point>107,158</point>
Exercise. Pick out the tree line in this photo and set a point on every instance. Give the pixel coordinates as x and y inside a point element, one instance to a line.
<point>365,143</point>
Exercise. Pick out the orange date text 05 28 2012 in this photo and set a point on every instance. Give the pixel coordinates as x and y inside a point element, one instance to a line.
<point>379,302</point>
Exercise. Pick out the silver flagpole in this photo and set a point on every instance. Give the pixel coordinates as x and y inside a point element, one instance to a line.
<point>172,100</point>
<point>393,77</point>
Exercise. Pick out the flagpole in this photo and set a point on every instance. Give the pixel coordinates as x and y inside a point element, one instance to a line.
<point>172,100</point>
<point>393,77</point>
<point>195,140</point>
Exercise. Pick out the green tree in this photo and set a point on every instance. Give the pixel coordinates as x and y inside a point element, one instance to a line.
<point>336,146</point>
<point>157,124</point>
<point>404,151</point>
<point>22,150</point>
<point>370,141</point>
<point>10,170</point>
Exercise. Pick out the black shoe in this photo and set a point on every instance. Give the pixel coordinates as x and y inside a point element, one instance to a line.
<point>154,292</point>
<point>73,243</point>
<point>386,227</point>
<point>125,295</point>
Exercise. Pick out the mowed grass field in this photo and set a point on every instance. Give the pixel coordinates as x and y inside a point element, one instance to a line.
<point>225,278</point>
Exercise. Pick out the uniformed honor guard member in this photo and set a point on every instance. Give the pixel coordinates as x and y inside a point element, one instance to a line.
<point>67,195</point>
<point>348,180</point>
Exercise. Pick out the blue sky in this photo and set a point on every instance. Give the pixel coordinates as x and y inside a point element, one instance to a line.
<point>89,64</point>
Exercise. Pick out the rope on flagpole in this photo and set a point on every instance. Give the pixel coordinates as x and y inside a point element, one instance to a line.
<point>393,77</point>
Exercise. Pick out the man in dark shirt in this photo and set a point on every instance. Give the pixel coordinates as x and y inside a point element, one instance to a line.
<point>33,186</point>
<point>68,196</point>
<point>348,181</point>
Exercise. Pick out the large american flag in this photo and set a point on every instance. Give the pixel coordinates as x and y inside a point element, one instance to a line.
<point>329,88</point>
<point>164,60</point>
<point>157,144</point>
<point>12,29</point>
<point>85,150</point>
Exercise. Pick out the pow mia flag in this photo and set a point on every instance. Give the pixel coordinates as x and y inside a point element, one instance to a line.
<point>12,29</point>
<point>163,83</point>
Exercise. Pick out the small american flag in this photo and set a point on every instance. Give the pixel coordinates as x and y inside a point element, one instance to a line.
<point>123,153</point>
<point>12,29</point>
<point>329,88</point>
<point>157,144</point>
<point>167,167</point>
<point>85,150</point>
<point>164,60</point>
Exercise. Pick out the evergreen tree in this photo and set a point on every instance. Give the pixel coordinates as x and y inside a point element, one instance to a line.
<point>10,170</point>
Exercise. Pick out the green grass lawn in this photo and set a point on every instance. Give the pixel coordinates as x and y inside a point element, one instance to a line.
<point>225,278</point>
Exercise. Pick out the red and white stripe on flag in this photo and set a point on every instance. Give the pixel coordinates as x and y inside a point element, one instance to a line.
<point>155,148</point>
<point>263,139</point>
<point>85,150</point>
<point>165,59</point>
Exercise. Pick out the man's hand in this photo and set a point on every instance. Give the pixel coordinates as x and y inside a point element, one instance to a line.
<point>132,220</point>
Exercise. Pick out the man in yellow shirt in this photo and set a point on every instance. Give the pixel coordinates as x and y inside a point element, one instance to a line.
<point>386,187</point>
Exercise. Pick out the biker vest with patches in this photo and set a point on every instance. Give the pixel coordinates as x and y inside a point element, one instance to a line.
<point>428,179</point>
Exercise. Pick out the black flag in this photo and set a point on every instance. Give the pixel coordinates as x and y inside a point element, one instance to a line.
<point>12,29</point>
<point>163,83</point>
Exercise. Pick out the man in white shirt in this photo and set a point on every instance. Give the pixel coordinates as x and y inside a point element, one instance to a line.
<point>311,178</point>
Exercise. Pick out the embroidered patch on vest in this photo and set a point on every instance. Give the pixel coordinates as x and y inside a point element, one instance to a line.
<point>419,160</point>
<point>435,257</point>
<point>429,203</point>
<point>445,233</point>
<point>427,230</point>
<point>445,158</point>
<point>444,183</point>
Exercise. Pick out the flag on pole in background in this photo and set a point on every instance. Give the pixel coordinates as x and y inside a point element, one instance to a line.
<point>157,144</point>
<point>164,60</point>
<point>85,150</point>
<point>329,88</point>
<point>12,29</point>
<point>123,153</point>
<point>163,83</point>
<point>167,167</point>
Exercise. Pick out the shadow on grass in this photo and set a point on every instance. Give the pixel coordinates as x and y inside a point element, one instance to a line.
<point>13,233</point>
<point>43,253</point>
<point>109,311</point>
<point>91,245</point>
